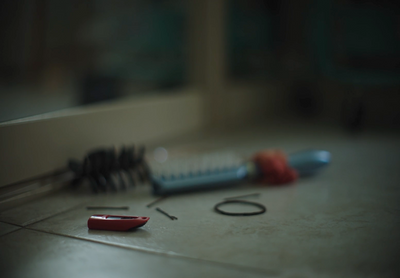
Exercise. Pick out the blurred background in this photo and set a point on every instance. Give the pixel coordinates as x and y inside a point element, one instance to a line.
<point>336,61</point>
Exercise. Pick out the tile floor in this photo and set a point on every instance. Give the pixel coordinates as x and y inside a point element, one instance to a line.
<point>342,223</point>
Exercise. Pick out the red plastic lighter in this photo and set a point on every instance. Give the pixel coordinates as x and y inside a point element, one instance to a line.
<point>115,222</point>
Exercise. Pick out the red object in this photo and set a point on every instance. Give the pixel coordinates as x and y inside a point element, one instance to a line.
<point>274,167</point>
<point>115,222</point>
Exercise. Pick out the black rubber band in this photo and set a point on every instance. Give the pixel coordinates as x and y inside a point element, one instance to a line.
<point>262,207</point>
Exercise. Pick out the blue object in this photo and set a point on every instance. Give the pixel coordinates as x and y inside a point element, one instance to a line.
<point>306,163</point>
<point>309,162</point>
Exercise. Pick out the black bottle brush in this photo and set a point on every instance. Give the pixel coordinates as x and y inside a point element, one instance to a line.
<point>107,169</point>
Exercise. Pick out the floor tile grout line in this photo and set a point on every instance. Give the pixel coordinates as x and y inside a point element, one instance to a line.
<point>10,232</point>
<point>6,222</point>
<point>48,217</point>
<point>53,215</point>
<point>155,252</point>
